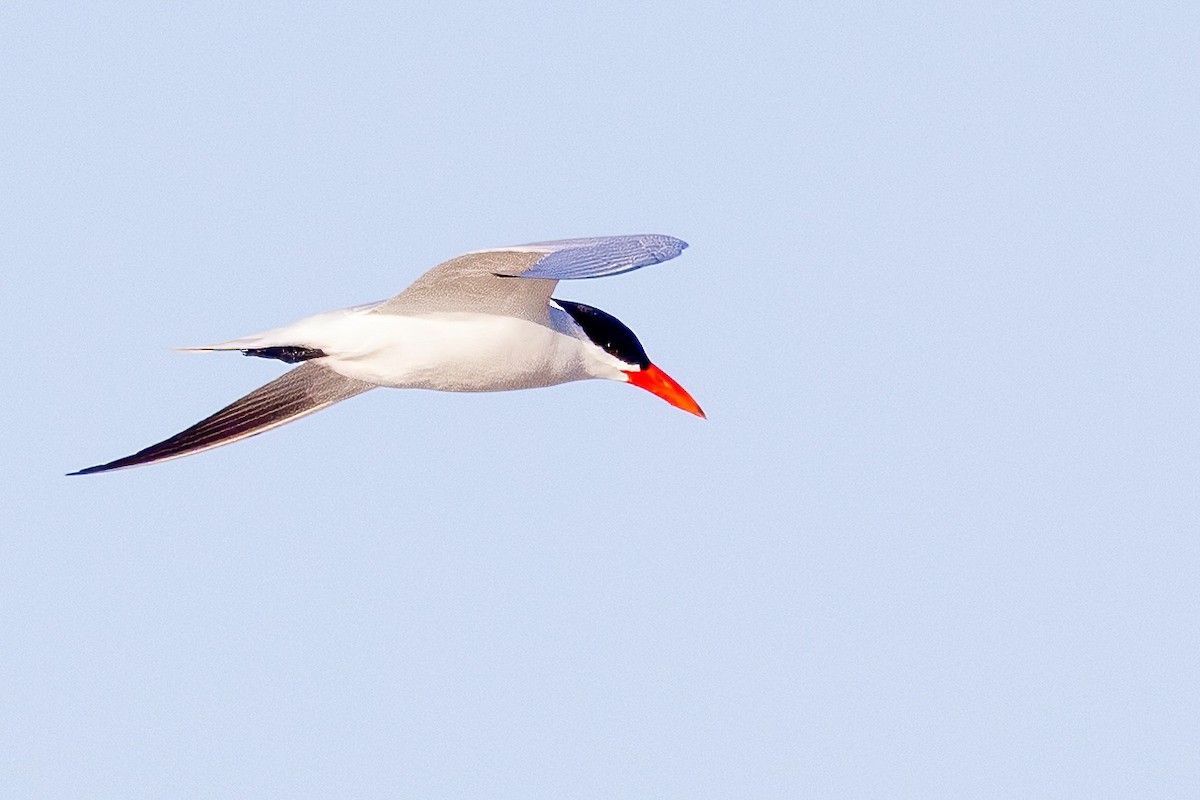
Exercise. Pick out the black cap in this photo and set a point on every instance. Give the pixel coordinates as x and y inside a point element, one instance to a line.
<point>607,332</point>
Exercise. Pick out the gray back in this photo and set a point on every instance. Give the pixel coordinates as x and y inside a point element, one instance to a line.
<point>470,283</point>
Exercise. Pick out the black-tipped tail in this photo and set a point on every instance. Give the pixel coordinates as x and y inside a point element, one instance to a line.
<point>292,354</point>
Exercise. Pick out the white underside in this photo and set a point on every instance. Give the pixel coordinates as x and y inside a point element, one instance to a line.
<point>453,352</point>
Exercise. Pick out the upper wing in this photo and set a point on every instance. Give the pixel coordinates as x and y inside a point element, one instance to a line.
<point>294,394</point>
<point>483,281</point>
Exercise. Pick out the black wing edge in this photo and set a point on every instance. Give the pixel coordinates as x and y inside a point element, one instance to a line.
<point>294,394</point>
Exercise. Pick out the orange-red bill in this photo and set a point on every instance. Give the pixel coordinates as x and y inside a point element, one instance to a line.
<point>655,381</point>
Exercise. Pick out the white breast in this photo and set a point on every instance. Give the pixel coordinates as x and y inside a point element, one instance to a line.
<point>459,352</point>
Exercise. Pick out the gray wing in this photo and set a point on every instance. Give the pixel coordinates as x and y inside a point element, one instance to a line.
<point>294,394</point>
<point>517,281</point>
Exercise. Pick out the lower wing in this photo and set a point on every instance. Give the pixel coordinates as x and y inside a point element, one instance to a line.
<point>295,394</point>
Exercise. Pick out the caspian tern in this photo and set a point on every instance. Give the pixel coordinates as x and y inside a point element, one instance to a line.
<point>481,322</point>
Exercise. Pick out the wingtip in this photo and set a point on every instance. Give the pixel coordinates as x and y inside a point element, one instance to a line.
<point>664,247</point>
<point>90,470</point>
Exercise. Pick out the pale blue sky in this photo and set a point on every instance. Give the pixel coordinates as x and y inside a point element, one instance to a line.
<point>939,537</point>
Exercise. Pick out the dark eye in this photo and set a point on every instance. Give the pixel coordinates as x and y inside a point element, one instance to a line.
<point>607,332</point>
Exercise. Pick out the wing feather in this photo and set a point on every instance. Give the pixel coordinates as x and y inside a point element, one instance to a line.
<point>483,281</point>
<point>603,256</point>
<point>294,394</point>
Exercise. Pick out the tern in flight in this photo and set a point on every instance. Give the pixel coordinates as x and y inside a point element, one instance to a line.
<point>481,322</point>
